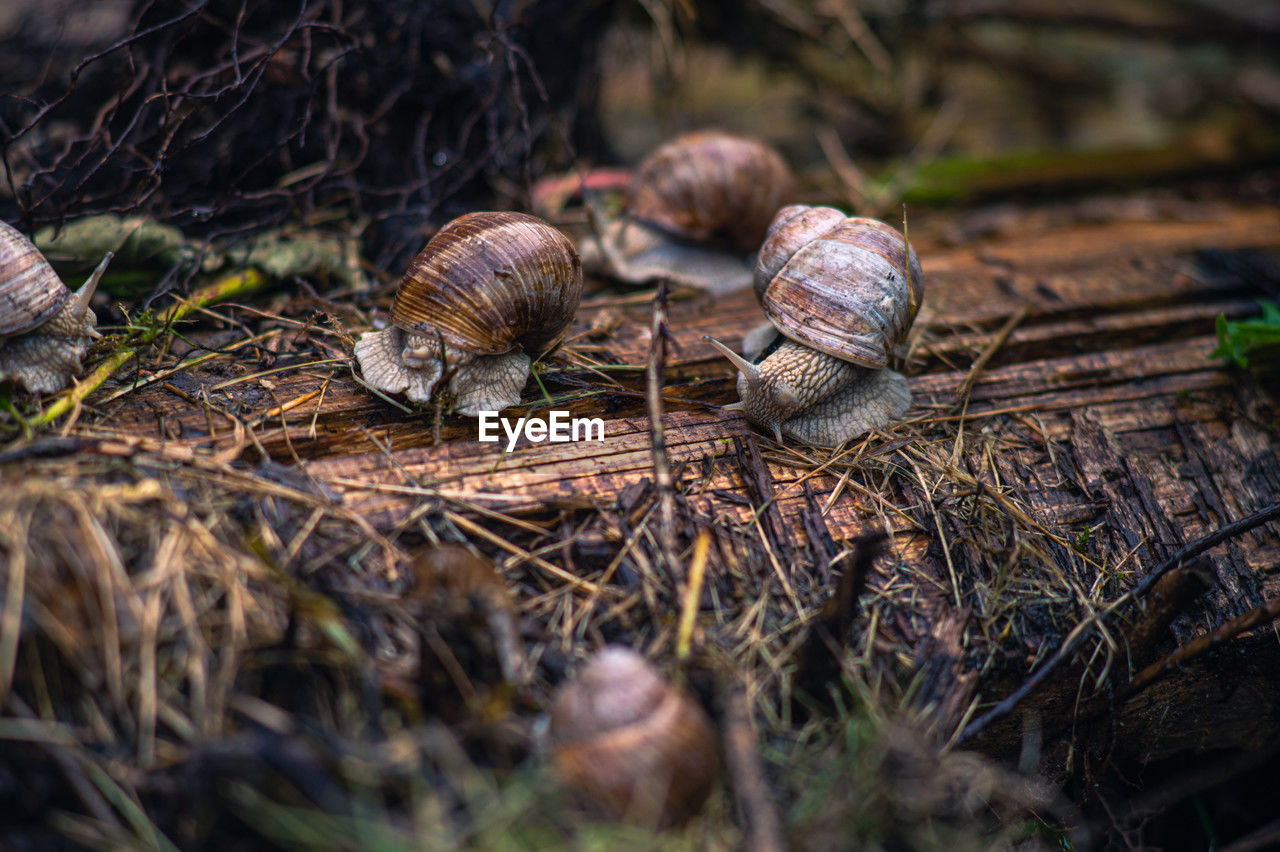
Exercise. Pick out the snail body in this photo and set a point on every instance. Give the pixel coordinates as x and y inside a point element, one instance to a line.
<point>490,292</point>
<point>626,739</point>
<point>695,208</point>
<point>840,293</point>
<point>45,328</point>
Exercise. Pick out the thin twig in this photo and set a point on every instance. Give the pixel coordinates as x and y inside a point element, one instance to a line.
<point>1217,637</point>
<point>971,378</point>
<point>762,823</point>
<point>857,185</point>
<point>692,594</point>
<point>1265,837</point>
<point>1195,548</point>
<point>661,463</point>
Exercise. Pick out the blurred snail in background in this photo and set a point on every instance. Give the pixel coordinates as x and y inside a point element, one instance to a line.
<point>489,293</point>
<point>696,207</point>
<point>627,740</point>
<point>45,329</point>
<point>840,293</point>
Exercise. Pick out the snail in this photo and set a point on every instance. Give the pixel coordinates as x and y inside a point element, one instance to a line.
<point>626,739</point>
<point>696,207</point>
<point>489,292</point>
<point>839,294</point>
<point>45,329</point>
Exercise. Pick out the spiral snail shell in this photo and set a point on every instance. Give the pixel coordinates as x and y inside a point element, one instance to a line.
<point>490,291</point>
<point>696,207</point>
<point>45,329</point>
<point>839,293</point>
<point>626,739</point>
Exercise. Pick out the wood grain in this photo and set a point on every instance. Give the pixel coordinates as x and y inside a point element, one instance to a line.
<point>1102,410</point>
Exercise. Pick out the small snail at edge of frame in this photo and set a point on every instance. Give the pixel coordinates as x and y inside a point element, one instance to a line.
<point>840,293</point>
<point>696,208</point>
<point>490,292</point>
<point>45,328</point>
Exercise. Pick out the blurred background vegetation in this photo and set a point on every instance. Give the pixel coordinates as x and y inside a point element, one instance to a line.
<point>231,115</point>
<point>959,100</point>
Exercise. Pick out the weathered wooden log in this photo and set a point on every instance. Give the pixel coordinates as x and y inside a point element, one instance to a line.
<point>1097,440</point>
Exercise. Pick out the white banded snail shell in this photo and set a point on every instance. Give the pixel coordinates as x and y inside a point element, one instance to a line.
<point>627,740</point>
<point>490,292</point>
<point>695,208</point>
<point>839,293</point>
<point>45,329</point>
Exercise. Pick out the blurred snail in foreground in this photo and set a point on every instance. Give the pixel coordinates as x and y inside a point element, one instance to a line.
<point>696,207</point>
<point>840,293</point>
<point>629,741</point>
<point>490,292</point>
<point>45,329</point>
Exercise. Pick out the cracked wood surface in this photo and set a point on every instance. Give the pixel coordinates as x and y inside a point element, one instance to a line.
<point>1112,421</point>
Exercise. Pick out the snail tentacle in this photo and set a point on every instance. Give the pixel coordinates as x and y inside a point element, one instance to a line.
<point>80,301</point>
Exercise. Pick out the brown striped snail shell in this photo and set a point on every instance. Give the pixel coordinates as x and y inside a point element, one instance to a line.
<point>490,292</point>
<point>712,187</point>
<point>839,293</point>
<point>45,329</point>
<point>695,208</point>
<point>627,740</point>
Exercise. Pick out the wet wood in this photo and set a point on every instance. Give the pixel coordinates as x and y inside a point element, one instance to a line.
<point>1112,422</point>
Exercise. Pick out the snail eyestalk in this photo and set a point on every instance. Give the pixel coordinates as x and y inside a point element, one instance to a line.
<point>80,302</point>
<point>767,400</point>
<point>743,365</point>
<point>82,297</point>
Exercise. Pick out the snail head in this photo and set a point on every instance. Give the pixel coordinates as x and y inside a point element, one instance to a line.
<point>75,319</point>
<point>767,397</point>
